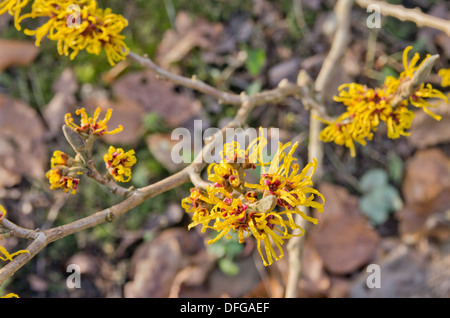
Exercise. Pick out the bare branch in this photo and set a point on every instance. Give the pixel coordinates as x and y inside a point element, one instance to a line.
<point>284,89</point>
<point>341,39</point>
<point>197,180</point>
<point>17,231</point>
<point>193,82</point>
<point>307,98</point>
<point>315,150</point>
<point>404,14</point>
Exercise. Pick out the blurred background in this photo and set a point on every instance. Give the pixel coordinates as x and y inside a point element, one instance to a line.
<point>389,205</point>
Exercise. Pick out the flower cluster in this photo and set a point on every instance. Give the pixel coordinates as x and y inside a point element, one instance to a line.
<point>65,170</point>
<point>75,25</point>
<point>119,163</point>
<point>4,254</point>
<point>367,107</point>
<point>265,210</point>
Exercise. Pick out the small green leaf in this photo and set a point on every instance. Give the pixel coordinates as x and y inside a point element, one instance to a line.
<point>387,71</point>
<point>396,167</point>
<point>254,88</point>
<point>233,248</point>
<point>372,179</point>
<point>229,267</point>
<point>218,249</point>
<point>379,203</point>
<point>85,72</point>
<point>375,209</point>
<point>393,197</point>
<point>255,60</point>
<point>141,175</point>
<point>154,123</point>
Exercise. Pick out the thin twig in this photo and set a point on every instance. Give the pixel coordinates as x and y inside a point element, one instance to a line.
<point>308,99</point>
<point>404,14</point>
<point>193,82</point>
<point>109,183</point>
<point>285,88</point>
<point>370,53</point>
<point>300,16</point>
<point>17,231</point>
<point>315,150</point>
<point>197,180</point>
<point>54,210</point>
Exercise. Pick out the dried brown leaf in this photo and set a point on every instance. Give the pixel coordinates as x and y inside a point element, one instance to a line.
<point>188,34</point>
<point>62,102</point>
<point>426,192</point>
<point>426,131</point>
<point>160,145</point>
<point>13,52</point>
<point>157,96</point>
<point>155,264</point>
<point>22,151</point>
<point>343,237</point>
<point>315,282</point>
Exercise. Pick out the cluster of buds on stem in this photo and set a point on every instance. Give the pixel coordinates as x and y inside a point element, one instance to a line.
<point>65,170</point>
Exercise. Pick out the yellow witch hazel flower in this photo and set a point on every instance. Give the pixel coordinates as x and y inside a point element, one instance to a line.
<point>4,254</point>
<point>198,204</point>
<point>58,180</point>
<point>367,107</point>
<point>13,7</point>
<point>91,125</point>
<point>291,187</point>
<point>119,163</point>
<point>399,121</point>
<point>421,95</point>
<point>10,295</point>
<point>61,176</point>
<point>265,210</point>
<point>226,174</point>
<point>60,159</point>
<point>445,74</point>
<point>75,25</point>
